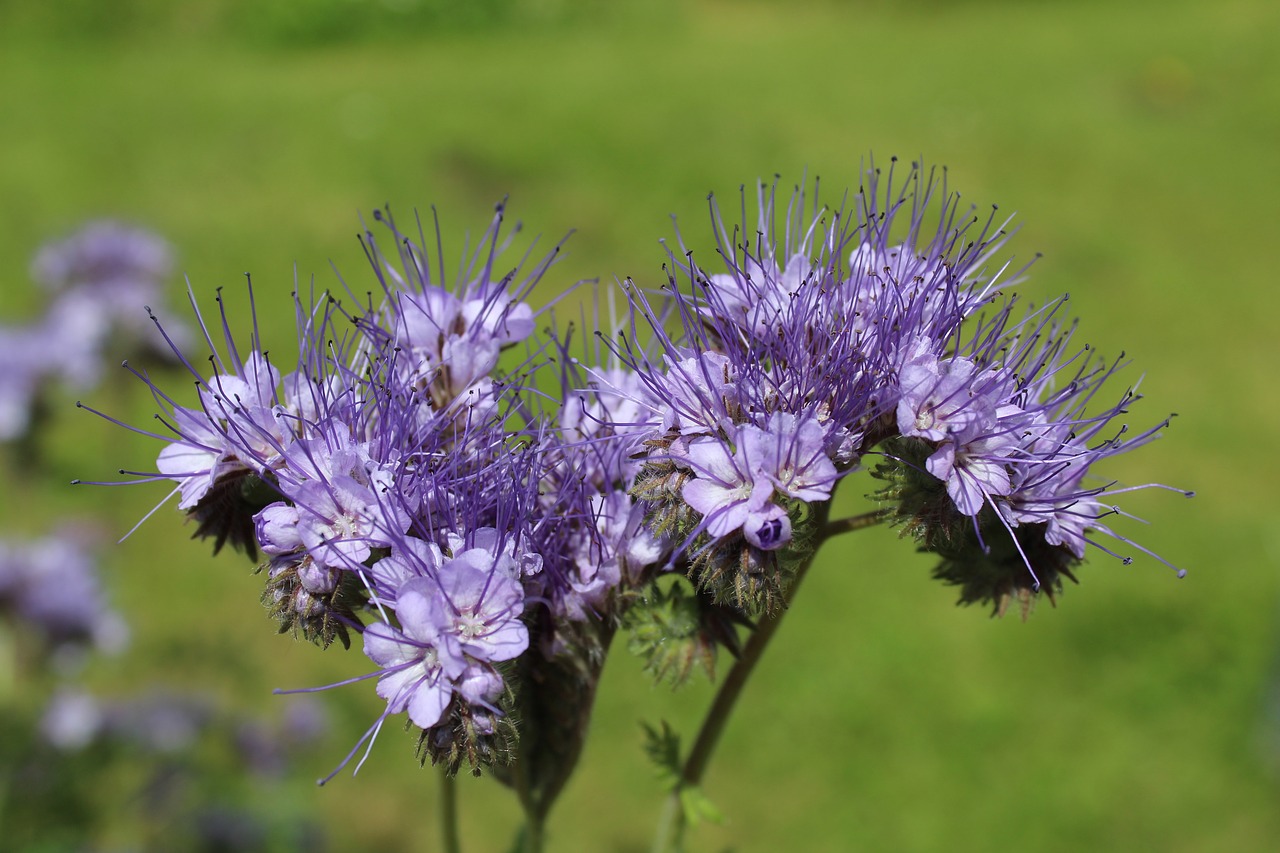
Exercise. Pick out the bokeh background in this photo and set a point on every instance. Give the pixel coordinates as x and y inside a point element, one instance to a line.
<point>1138,142</point>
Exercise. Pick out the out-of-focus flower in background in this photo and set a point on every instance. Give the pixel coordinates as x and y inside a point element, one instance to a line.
<point>50,592</point>
<point>103,285</point>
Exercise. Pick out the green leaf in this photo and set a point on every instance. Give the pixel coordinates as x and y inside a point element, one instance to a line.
<point>663,749</point>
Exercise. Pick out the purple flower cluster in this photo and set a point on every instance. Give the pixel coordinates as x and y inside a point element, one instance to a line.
<point>400,484</point>
<point>412,478</point>
<point>99,279</point>
<point>837,333</point>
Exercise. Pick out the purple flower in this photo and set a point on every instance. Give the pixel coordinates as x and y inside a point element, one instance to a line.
<point>343,502</point>
<point>759,295</point>
<point>938,397</point>
<point>456,342</point>
<point>102,276</point>
<point>443,343</point>
<point>698,393</point>
<point>608,415</point>
<point>1061,432</point>
<point>410,558</point>
<point>734,490</point>
<point>72,719</point>
<point>237,428</point>
<point>414,677</point>
<point>74,331</point>
<point>455,618</point>
<point>974,470</point>
<point>480,602</point>
<point>770,379</point>
<point>585,524</point>
<point>1009,422</point>
<point>101,280</point>
<point>620,549</point>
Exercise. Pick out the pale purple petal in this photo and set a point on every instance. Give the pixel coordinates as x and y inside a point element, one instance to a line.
<point>768,529</point>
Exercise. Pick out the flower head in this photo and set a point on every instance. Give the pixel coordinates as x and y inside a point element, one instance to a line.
<point>992,467</point>
<point>770,380</point>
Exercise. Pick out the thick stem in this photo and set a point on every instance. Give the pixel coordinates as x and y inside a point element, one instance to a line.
<point>557,695</point>
<point>670,835</point>
<point>529,838</point>
<point>531,834</point>
<point>449,814</point>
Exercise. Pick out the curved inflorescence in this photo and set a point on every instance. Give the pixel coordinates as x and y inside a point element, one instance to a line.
<point>485,521</point>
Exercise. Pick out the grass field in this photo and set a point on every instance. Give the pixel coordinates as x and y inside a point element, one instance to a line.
<point>1139,144</point>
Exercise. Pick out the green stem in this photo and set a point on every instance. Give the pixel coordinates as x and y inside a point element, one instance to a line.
<point>449,814</point>
<point>531,834</point>
<point>670,835</point>
<point>529,838</point>
<point>671,825</point>
<point>855,522</point>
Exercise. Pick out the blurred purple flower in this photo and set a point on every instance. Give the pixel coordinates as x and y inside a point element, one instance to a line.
<point>103,252</point>
<point>51,585</point>
<point>23,367</point>
<point>72,720</point>
<point>105,277</point>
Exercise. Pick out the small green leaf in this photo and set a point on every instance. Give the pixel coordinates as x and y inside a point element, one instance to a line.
<point>698,807</point>
<point>663,749</point>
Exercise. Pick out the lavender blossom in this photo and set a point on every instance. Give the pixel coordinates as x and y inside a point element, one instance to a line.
<point>735,492</point>
<point>451,625</point>
<point>401,486</point>
<point>236,430</point>
<point>592,530</point>
<point>414,677</point>
<point>100,279</point>
<point>72,719</point>
<point>416,479</point>
<point>452,615</point>
<point>794,334</point>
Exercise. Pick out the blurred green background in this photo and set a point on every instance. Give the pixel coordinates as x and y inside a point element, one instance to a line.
<point>1139,143</point>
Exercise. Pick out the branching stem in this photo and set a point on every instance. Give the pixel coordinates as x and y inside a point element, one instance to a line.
<point>671,826</point>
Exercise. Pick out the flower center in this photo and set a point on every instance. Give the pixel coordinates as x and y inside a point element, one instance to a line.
<point>471,625</point>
